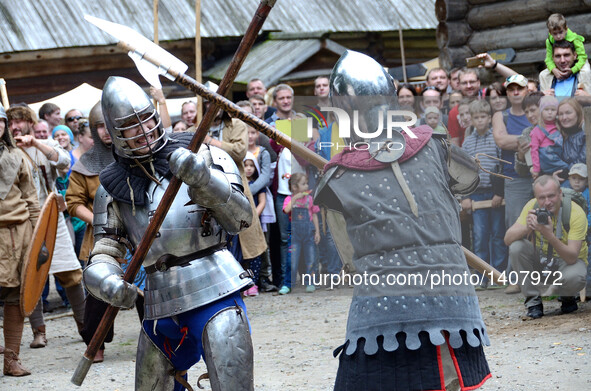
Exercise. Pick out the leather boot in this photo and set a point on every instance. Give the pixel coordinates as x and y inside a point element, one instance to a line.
<point>39,339</point>
<point>12,364</point>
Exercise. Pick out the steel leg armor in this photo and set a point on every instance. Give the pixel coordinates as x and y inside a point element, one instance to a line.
<point>228,351</point>
<point>153,372</point>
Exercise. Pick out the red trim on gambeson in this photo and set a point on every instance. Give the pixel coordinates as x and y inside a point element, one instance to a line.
<point>455,360</point>
<point>479,384</point>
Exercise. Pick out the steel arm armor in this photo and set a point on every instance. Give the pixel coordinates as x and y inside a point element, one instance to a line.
<point>214,183</point>
<point>103,277</point>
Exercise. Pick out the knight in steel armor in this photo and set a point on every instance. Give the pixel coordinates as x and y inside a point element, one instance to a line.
<point>402,220</point>
<point>193,306</point>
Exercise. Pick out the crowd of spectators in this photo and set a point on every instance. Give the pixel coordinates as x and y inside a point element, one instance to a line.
<point>527,136</point>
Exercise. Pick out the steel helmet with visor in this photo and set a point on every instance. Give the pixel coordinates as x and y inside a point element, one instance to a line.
<point>125,106</point>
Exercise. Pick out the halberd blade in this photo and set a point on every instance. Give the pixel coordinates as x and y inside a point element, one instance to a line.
<point>141,45</point>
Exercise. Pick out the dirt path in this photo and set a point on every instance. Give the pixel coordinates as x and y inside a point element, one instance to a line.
<point>294,337</point>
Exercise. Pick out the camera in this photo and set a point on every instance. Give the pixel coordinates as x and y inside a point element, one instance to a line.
<point>550,264</point>
<point>543,215</point>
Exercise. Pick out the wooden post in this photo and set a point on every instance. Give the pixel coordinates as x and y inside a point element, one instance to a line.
<point>198,74</point>
<point>155,11</point>
<point>156,22</point>
<point>4,94</point>
<point>402,56</point>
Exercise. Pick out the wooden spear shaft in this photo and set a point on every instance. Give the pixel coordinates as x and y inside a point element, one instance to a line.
<point>106,322</point>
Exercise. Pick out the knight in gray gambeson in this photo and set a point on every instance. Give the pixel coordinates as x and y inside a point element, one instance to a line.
<point>402,220</point>
<point>193,306</point>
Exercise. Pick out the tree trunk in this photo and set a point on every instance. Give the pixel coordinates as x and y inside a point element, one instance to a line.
<point>452,34</point>
<point>526,36</point>
<point>447,10</point>
<point>520,11</point>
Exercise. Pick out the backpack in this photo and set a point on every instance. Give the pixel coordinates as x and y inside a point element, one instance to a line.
<point>569,195</point>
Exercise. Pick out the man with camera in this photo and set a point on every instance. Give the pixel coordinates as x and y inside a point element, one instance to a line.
<point>547,248</point>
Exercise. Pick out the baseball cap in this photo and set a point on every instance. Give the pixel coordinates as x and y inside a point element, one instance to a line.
<point>578,169</point>
<point>516,79</point>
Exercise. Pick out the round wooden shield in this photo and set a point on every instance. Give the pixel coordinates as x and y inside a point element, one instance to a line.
<point>39,254</point>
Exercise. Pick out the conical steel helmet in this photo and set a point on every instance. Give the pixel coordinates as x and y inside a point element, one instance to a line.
<point>125,105</point>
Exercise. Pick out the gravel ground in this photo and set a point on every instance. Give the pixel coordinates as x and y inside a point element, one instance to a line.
<point>294,336</point>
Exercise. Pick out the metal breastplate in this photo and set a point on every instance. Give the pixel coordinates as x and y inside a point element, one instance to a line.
<point>186,229</point>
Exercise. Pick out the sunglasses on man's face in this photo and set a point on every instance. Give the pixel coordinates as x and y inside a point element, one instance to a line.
<point>71,119</point>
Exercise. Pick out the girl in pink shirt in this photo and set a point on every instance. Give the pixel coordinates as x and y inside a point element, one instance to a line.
<point>305,232</point>
<point>546,140</point>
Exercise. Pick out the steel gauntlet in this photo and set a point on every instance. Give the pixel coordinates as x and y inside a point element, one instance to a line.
<point>103,279</point>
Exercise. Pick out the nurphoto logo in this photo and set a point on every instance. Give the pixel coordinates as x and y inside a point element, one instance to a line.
<point>394,119</point>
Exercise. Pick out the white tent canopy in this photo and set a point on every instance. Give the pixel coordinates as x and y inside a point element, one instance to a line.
<point>81,98</point>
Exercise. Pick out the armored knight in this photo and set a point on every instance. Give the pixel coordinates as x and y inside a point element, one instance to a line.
<point>193,306</point>
<point>403,221</point>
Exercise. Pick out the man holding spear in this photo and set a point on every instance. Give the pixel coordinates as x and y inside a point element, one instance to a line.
<point>193,307</point>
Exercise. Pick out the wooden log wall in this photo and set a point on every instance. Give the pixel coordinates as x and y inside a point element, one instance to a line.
<point>453,32</point>
<point>469,27</point>
<point>419,45</point>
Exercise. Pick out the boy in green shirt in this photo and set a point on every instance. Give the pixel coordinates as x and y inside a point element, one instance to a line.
<point>558,31</point>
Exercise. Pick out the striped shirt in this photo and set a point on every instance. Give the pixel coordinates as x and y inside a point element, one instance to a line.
<point>475,143</point>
